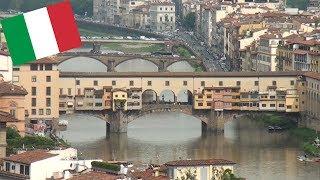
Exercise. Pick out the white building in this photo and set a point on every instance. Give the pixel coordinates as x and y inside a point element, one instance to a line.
<point>199,169</point>
<point>5,66</point>
<point>162,16</point>
<point>41,164</point>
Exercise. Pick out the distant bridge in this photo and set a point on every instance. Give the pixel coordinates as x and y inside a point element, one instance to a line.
<point>113,60</point>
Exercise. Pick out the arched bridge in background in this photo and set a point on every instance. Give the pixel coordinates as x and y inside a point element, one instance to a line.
<point>111,61</point>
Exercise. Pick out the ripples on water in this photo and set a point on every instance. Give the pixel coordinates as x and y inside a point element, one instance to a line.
<point>163,137</point>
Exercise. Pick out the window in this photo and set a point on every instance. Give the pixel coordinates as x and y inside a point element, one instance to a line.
<point>48,78</point>
<point>48,111</point>
<point>114,83</point>
<point>48,102</point>
<point>21,169</point>
<point>167,83</point>
<point>41,67</point>
<point>160,19</point>
<point>48,67</point>
<point>98,104</point>
<point>272,105</point>
<point>77,82</point>
<point>95,83</point>
<point>291,83</point>
<point>220,83</point>
<point>281,105</point>
<point>238,83</point>
<point>34,79</point>
<point>149,83</point>
<point>209,96</point>
<point>15,79</point>
<point>33,102</point>
<point>61,91</point>
<point>131,83</point>
<point>33,91</point>
<point>264,105</point>
<point>48,91</point>
<point>256,83</point>
<point>34,67</point>
<point>200,104</point>
<point>40,111</point>
<point>69,91</point>
<point>297,100</point>
<point>185,83</point>
<point>33,111</point>
<point>7,166</point>
<point>26,170</point>
<point>203,83</point>
<point>209,104</point>
<point>274,83</point>
<point>289,107</point>
<point>123,95</point>
<point>272,97</point>
<point>13,167</point>
<point>200,96</point>
<point>15,69</point>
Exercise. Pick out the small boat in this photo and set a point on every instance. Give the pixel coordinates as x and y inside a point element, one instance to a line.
<point>303,158</point>
<point>63,123</point>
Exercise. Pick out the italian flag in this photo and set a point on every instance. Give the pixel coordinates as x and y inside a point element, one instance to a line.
<point>41,33</point>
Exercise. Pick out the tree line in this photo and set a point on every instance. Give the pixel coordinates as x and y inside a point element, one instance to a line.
<point>79,6</point>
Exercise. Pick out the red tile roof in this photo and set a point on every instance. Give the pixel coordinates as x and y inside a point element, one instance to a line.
<point>29,157</point>
<point>7,117</point>
<point>313,75</point>
<point>199,162</point>
<point>95,175</point>
<point>8,89</point>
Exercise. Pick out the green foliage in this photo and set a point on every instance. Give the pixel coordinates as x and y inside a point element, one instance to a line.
<point>189,21</point>
<point>79,6</point>
<point>188,174</point>
<point>276,120</point>
<point>301,4</point>
<point>304,134</point>
<point>107,166</point>
<point>311,149</point>
<point>183,52</point>
<point>228,175</point>
<point>12,133</point>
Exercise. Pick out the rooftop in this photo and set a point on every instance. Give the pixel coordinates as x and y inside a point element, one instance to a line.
<point>8,89</point>
<point>200,162</point>
<point>29,157</point>
<point>7,117</point>
<point>96,175</point>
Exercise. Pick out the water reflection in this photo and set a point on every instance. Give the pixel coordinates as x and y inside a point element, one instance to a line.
<point>162,137</point>
<point>82,64</point>
<point>137,65</point>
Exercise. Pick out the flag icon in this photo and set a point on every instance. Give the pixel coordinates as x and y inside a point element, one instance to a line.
<point>41,33</point>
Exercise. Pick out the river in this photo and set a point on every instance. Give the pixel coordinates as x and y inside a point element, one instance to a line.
<point>163,137</point>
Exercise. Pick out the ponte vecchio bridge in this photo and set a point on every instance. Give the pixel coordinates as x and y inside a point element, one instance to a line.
<point>212,97</point>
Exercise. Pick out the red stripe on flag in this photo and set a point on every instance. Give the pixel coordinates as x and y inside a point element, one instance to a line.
<point>64,26</point>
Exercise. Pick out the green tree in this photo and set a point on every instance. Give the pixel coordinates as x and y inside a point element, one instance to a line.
<point>189,21</point>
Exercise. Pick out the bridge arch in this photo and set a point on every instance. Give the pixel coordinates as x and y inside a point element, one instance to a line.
<point>167,96</point>
<point>136,65</point>
<point>180,66</point>
<point>185,96</point>
<point>149,96</point>
<point>82,64</point>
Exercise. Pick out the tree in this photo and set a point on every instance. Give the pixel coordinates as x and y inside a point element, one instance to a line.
<point>189,21</point>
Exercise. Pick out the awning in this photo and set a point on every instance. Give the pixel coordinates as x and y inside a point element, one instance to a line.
<point>70,103</point>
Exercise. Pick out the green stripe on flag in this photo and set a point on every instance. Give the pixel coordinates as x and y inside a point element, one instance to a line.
<point>18,40</point>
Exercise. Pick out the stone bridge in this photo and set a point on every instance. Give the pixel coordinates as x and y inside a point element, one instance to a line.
<point>211,120</point>
<point>113,60</point>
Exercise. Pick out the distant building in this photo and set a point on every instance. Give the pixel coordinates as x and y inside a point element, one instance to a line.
<point>4,119</point>
<point>198,169</point>
<point>162,16</point>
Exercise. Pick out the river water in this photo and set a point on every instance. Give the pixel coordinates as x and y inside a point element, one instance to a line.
<point>163,137</point>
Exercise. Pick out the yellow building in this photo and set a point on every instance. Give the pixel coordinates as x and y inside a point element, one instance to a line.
<point>40,78</point>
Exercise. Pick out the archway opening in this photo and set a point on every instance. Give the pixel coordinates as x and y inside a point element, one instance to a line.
<point>167,96</point>
<point>180,66</point>
<point>149,96</point>
<point>136,65</point>
<point>185,97</point>
<point>82,64</point>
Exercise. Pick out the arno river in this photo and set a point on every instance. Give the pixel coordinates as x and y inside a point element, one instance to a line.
<point>158,138</point>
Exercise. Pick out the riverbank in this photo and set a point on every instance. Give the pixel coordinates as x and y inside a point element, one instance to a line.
<point>304,136</point>
<point>15,142</point>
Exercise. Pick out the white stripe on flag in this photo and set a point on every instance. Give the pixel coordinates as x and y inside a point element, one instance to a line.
<point>41,33</point>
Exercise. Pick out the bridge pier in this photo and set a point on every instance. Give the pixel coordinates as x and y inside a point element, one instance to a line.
<point>215,124</point>
<point>162,66</point>
<point>118,123</point>
<point>111,67</point>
